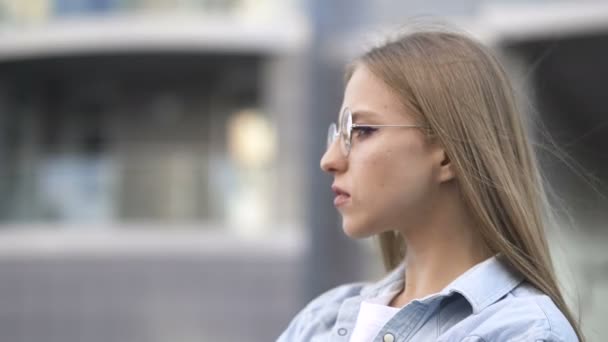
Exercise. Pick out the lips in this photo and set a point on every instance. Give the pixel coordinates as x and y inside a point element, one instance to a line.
<point>342,197</point>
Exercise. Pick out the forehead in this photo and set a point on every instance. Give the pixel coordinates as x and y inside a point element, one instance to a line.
<point>369,97</point>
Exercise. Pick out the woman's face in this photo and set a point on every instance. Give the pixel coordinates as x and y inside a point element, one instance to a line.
<point>390,175</point>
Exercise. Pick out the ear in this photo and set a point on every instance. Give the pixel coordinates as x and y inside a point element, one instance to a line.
<point>446,167</point>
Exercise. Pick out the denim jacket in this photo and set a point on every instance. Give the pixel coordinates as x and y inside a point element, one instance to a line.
<point>487,303</point>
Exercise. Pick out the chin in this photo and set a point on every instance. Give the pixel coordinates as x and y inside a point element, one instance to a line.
<point>356,231</point>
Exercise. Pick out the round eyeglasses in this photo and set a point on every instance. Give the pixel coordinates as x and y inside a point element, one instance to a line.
<point>346,127</point>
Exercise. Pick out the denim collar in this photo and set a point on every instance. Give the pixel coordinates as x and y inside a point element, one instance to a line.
<point>481,285</point>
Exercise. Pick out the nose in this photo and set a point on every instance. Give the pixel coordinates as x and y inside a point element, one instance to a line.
<point>333,161</point>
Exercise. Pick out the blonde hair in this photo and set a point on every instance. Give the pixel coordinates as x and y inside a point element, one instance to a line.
<point>461,92</point>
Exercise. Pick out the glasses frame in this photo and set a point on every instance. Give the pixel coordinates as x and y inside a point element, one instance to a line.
<point>345,132</point>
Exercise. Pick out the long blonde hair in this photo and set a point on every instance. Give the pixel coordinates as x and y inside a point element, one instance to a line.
<point>459,90</point>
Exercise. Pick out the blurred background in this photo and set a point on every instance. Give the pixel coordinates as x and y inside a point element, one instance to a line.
<point>159,175</point>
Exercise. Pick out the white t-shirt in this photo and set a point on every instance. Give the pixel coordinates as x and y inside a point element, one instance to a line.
<point>373,315</point>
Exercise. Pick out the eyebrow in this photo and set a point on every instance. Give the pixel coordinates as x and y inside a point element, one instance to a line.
<point>363,114</point>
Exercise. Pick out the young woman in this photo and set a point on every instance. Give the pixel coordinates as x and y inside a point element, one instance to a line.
<point>431,154</point>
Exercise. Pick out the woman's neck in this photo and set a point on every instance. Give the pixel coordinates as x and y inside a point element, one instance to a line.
<point>439,251</point>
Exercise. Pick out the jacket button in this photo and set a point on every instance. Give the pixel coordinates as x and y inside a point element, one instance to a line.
<point>342,332</point>
<point>389,338</point>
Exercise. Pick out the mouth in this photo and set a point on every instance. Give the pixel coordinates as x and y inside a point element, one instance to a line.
<point>342,197</point>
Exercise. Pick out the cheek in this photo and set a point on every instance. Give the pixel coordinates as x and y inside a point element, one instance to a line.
<point>370,171</point>
<point>393,167</point>
<point>404,179</point>
<point>392,183</point>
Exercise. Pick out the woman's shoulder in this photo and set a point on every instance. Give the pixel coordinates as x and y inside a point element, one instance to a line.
<point>557,326</point>
<point>320,314</point>
<point>523,314</point>
<point>331,300</point>
<point>339,294</point>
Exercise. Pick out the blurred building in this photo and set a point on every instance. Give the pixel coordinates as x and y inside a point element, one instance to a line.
<point>144,193</point>
<point>159,158</point>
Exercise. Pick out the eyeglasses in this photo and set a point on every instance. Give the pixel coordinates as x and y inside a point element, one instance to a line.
<point>346,129</point>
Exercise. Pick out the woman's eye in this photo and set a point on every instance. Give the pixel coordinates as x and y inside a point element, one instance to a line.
<point>362,132</point>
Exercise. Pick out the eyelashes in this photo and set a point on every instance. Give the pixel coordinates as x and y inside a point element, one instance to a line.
<point>363,132</point>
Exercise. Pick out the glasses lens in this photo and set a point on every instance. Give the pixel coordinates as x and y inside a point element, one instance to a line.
<point>331,135</point>
<point>346,124</point>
